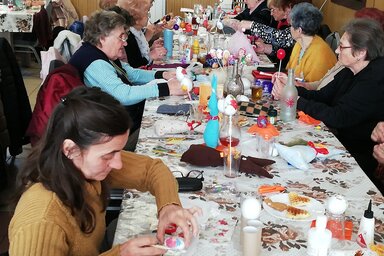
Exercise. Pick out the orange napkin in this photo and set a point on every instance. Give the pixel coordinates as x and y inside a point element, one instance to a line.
<point>348,229</point>
<point>308,119</point>
<point>269,131</point>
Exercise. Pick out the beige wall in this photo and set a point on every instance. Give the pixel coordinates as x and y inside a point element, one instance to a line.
<point>334,15</point>
<point>85,7</point>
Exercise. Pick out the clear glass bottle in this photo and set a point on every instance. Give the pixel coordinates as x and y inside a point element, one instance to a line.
<point>288,100</point>
<point>230,75</point>
<point>230,138</point>
<point>235,86</point>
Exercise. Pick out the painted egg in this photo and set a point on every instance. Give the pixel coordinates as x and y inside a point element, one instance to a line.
<point>182,39</point>
<point>176,27</point>
<point>262,121</point>
<point>174,243</point>
<point>280,54</point>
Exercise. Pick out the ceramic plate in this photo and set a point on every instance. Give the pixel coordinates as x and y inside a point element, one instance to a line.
<point>314,208</point>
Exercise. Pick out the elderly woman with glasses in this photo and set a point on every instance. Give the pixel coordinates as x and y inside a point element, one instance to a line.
<point>353,103</point>
<point>97,61</point>
<point>137,49</point>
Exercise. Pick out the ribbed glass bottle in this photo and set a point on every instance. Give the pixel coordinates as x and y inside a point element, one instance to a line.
<point>288,99</point>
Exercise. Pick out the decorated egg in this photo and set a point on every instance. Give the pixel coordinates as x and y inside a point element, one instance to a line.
<point>176,27</point>
<point>337,204</point>
<point>280,54</point>
<point>186,84</point>
<point>188,27</point>
<point>182,24</point>
<point>250,208</point>
<point>205,23</point>
<point>180,73</point>
<point>182,39</point>
<point>174,243</point>
<point>168,17</point>
<point>262,121</point>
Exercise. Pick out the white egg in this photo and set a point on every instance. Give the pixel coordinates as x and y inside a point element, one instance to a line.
<point>229,110</point>
<point>337,204</point>
<point>179,73</point>
<point>246,83</point>
<point>250,208</point>
<point>182,39</point>
<point>241,98</point>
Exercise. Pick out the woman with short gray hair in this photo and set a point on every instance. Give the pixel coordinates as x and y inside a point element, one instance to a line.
<point>311,56</point>
<point>353,103</point>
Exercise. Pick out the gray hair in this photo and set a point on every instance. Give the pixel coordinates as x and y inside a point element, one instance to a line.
<point>366,34</point>
<point>307,17</point>
<point>100,24</point>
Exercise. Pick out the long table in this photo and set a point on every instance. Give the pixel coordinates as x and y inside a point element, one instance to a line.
<point>339,174</point>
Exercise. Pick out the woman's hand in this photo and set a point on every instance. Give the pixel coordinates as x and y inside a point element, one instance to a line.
<point>150,31</point>
<point>158,53</point>
<point>158,43</point>
<point>244,25</point>
<point>169,75</point>
<point>378,133</point>
<point>279,80</point>
<point>378,153</point>
<point>183,218</point>
<point>174,87</point>
<point>141,246</point>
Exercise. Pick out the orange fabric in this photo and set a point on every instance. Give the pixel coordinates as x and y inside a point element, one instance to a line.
<point>269,131</point>
<point>308,119</point>
<point>334,228</point>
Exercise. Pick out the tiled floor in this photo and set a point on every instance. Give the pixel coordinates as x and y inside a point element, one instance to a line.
<point>32,81</point>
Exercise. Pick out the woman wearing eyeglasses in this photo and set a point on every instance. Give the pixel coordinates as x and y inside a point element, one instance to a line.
<point>353,103</point>
<point>97,61</point>
<point>63,189</point>
<point>137,49</point>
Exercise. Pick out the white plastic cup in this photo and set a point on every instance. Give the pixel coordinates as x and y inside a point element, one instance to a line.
<point>251,241</point>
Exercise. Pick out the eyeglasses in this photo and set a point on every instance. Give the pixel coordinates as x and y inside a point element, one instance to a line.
<point>344,47</point>
<point>124,37</point>
<point>192,174</point>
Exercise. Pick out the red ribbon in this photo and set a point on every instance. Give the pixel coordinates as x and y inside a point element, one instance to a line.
<point>193,124</point>
<point>323,151</point>
<point>209,117</point>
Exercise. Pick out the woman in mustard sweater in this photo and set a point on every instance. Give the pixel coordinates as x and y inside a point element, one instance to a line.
<point>311,56</point>
<point>63,188</point>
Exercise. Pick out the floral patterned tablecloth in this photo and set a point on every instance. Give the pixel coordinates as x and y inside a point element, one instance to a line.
<point>339,174</point>
<point>16,21</point>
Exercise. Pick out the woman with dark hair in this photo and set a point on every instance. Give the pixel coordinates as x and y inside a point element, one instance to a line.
<point>353,103</point>
<point>63,187</point>
<point>311,56</point>
<point>97,61</point>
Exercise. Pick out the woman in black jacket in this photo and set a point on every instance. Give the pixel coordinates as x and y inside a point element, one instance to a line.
<point>353,103</point>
